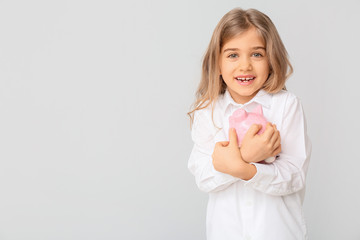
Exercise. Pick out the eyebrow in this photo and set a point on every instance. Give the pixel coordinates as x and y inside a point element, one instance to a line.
<point>236,49</point>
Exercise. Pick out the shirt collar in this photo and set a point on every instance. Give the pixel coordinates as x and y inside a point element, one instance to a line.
<point>262,97</point>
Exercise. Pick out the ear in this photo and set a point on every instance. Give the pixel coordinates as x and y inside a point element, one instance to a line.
<point>240,114</point>
<point>258,110</point>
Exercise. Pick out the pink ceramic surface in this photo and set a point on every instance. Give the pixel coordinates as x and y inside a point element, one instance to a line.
<point>242,120</point>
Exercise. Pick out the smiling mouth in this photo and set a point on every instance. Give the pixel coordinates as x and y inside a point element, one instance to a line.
<point>245,79</point>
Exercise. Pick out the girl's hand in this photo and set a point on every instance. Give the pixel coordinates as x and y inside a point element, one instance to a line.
<point>226,156</point>
<point>256,148</point>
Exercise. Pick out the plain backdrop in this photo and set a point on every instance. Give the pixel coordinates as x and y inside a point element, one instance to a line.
<point>94,136</point>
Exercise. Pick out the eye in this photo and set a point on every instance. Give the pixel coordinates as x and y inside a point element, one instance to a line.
<point>257,54</point>
<point>233,55</point>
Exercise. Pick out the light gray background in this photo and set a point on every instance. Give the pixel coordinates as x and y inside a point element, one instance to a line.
<point>94,137</point>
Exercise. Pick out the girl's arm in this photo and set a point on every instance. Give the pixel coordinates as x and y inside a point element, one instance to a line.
<point>200,162</point>
<point>286,174</point>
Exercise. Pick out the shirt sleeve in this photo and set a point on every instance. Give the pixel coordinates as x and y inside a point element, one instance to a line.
<point>200,161</point>
<point>287,173</point>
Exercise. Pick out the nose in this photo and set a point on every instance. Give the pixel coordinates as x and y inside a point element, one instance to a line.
<point>245,64</point>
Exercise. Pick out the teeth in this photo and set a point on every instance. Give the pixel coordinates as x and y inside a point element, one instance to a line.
<point>244,79</point>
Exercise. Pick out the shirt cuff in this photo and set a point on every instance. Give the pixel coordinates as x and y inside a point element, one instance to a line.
<point>223,177</point>
<point>265,173</point>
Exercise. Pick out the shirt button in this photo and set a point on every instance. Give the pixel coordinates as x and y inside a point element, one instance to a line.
<point>249,203</point>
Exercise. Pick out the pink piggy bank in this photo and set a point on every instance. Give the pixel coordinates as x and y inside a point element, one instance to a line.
<point>242,120</point>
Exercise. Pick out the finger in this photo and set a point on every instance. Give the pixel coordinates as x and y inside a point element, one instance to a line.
<point>275,137</point>
<point>278,141</point>
<point>276,151</point>
<point>254,129</point>
<point>222,144</point>
<point>269,131</point>
<point>233,137</point>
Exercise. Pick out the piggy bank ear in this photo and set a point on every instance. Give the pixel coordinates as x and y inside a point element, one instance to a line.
<point>258,110</point>
<point>240,114</point>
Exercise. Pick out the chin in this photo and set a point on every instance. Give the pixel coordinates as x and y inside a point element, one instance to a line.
<point>246,93</point>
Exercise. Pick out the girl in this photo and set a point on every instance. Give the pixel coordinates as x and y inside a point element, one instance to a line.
<point>246,64</point>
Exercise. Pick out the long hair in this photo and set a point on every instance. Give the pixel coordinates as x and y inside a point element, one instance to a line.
<point>232,24</point>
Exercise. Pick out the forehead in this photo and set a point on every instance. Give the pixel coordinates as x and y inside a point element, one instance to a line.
<point>247,39</point>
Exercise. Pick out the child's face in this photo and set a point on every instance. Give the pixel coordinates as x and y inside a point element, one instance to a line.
<point>244,65</point>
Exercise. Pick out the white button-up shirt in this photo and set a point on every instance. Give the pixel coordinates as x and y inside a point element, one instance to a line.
<point>268,206</point>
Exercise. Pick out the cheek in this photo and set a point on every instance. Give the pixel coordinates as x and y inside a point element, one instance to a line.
<point>263,68</point>
<point>226,68</point>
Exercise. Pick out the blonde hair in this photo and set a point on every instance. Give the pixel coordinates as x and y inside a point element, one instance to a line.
<point>232,24</point>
